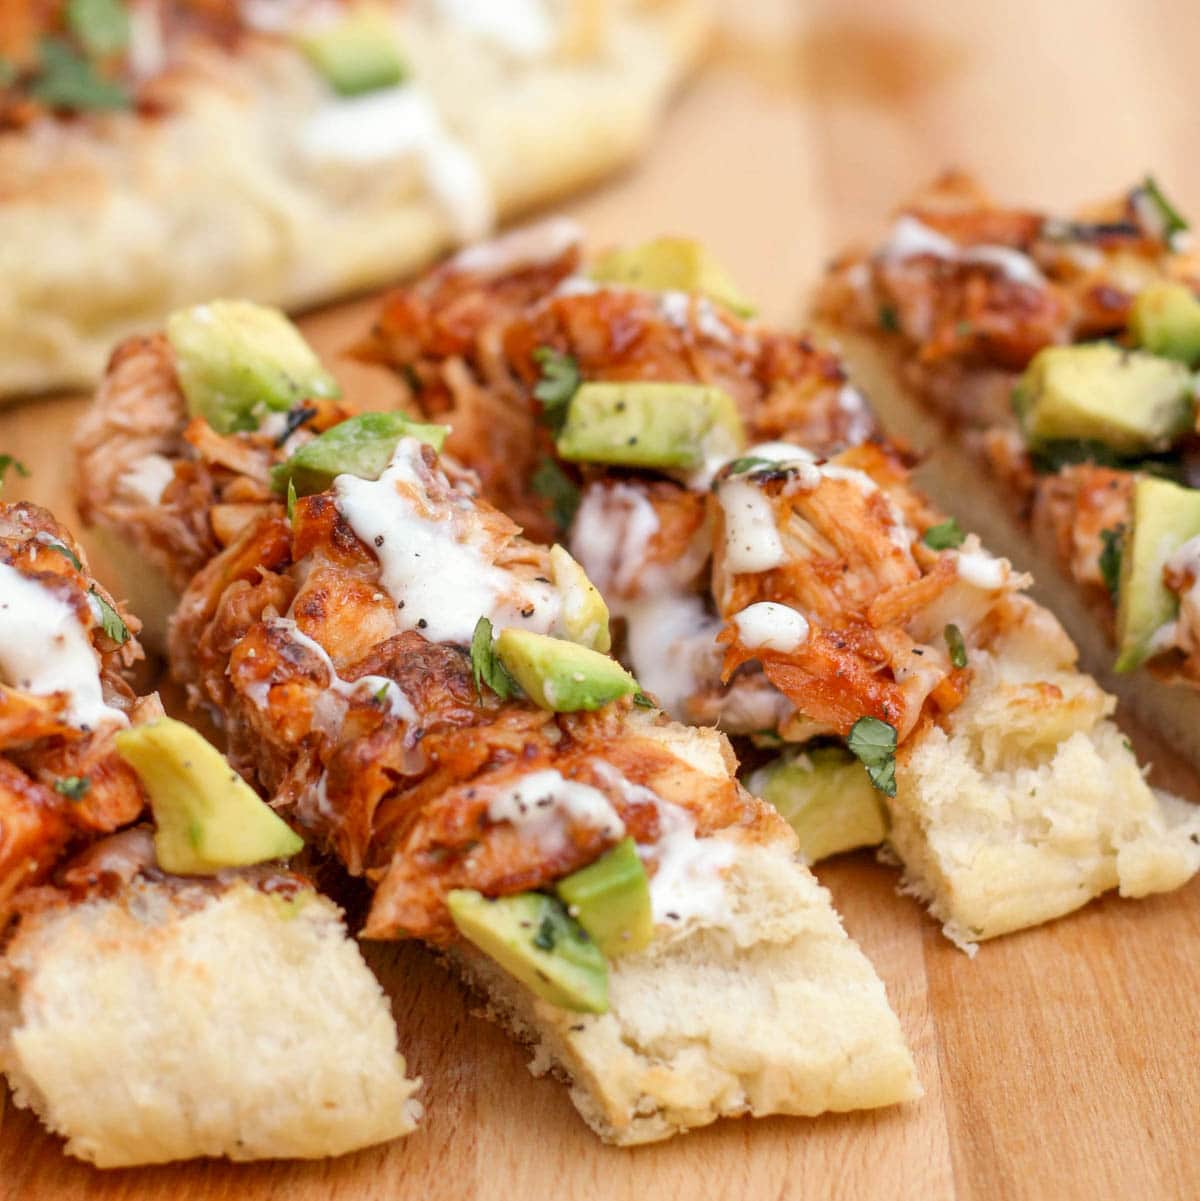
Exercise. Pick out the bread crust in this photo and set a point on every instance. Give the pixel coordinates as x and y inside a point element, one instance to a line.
<point>108,223</point>
<point>180,1020</point>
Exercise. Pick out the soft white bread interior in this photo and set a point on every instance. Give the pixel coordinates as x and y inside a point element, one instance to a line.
<point>175,1021</point>
<point>1030,802</point>
<point>766,1008</point>
<point>954,477</point>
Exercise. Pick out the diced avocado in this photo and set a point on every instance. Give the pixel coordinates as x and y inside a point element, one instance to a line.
<point>671,265</point>
<point>1166,321</point>
<point>360,53</point>
<point>610,899</point>
<point>1127,399</point>
<point>584,613</point>
<point>235,358</point>
<point>531,936</point>
<point>361,446</point>
<point>641,424</point>
<point>1164,517</point>
<point>559,675</point>
<point>826,797</point>
<point>207,817</point>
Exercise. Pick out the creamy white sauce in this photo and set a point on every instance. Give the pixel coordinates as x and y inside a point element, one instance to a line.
<point>542,806</point>
<point>147,478</point>
<point>859,421</point>
<point>770,626</point>
<point>752,541</point>
<point>434,557</point>
<point>982,570</point>
<point>671,640</point>
<point>611,535</point>
<point>910,238</point>
<point>530,246</point>
<point>522,27</point>
<point>380,688</point>
<point>44,648</point>
<point>688,884</point>
<point>402,122</point>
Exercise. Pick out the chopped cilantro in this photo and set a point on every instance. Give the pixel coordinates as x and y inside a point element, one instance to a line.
<point>74,788</point>
<point>109,619</point>
<point>558,383</point>
<point>545,936</point>
<point>874,743</point>
<point>642,701</point>
<point>102,26</point>
<point>67,80</point>
<point>943,536</point>
<point>747,463</point>
<point>889,319</point>
<point>291,498</point>
<point>958,648</point>
<point>67,553</point>
<point>552,483</point>
<point>7,461</point>
<point>1172,222</point>
<point>380,694</point>
<point>1110,557</point>
<point>486,667</point>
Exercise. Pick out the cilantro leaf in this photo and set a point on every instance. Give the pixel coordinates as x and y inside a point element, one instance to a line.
<point>958,648</point>
<point>291,499</point>
<point>1172,222</point>
<point>7,461</point>
<point>889,319</point>
<point>558,382</point>
<point>67,80</point>
<point>747,463</point>
<point>944,536</point>
<point>1110,557</point>
<point>74,788</point>
<point>642,701</point>
<point>380,695</point>
<point>551,482</point>
<point>67,553</point>
<point>102,26</point>
<point>109,619</point>
<point>874,743</point>
<point>486,667</point>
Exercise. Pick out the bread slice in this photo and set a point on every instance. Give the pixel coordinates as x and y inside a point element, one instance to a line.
<point>175,1020</point>
<point>765,1008</point>
<point>1028,804</point>
<point>955,478</point>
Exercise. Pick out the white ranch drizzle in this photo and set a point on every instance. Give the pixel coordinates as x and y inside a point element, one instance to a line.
<point>44,648</point>
<point>613,551</point>
<point>910,238</point>
<point>752,541</point>
<point>542,804</point>
<point>531,245</point>
<point>981,569</point>
<point>688,884</point>
<point>147,478</point>
<point>398,122</point>
<point>433,559</point>
<point>672,646</point>
<point>770,626</point>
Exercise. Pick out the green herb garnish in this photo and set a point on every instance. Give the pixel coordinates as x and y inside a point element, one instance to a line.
<point>889,319</point>
<point>291,499</point>
<point>944,536</point>
<point>67,553</point>
<point>1172,221</point>
<point>558,382</point>
<point>74,788</point>
<point>109,619</point>
<point>958,648</point>
<point>102,26</point>
<point>874,743</point>
<point>380,694</point>
<point>642,701</point>
<point>1110,557</point>
<point>748,463</point>
<point>545,936</point>
<point>67,80</point>
<point>7,461</point>
<point>486,666</point>
<point>552,483</point>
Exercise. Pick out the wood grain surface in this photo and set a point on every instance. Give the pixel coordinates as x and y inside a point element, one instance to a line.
<point>1060,1063</point>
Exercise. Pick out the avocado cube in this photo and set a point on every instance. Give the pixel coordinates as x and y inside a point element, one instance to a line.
<point>235,359</point>
<point>1165,516</point>
<point>826,796</point>
<point>1131,401</point>
<point>531,936</point>
<point>207,817</point>
<point>610,899</point>
<point>1166,321</point>
<point>671,265</point>
<point>641,424</point>
<point>584,614</point>
<point>361,445</point>
<point>562,676</point>
<point>360,53</point>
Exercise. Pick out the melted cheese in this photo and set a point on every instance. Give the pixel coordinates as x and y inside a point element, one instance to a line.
<point>910,238</point>
<point>399,123</point>
<point>769,626</point>
<point>434,559</point>
<point>44,649</point>
<point>543,804</point>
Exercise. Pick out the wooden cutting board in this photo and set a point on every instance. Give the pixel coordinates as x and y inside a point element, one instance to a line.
<point>1059,1063</point>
